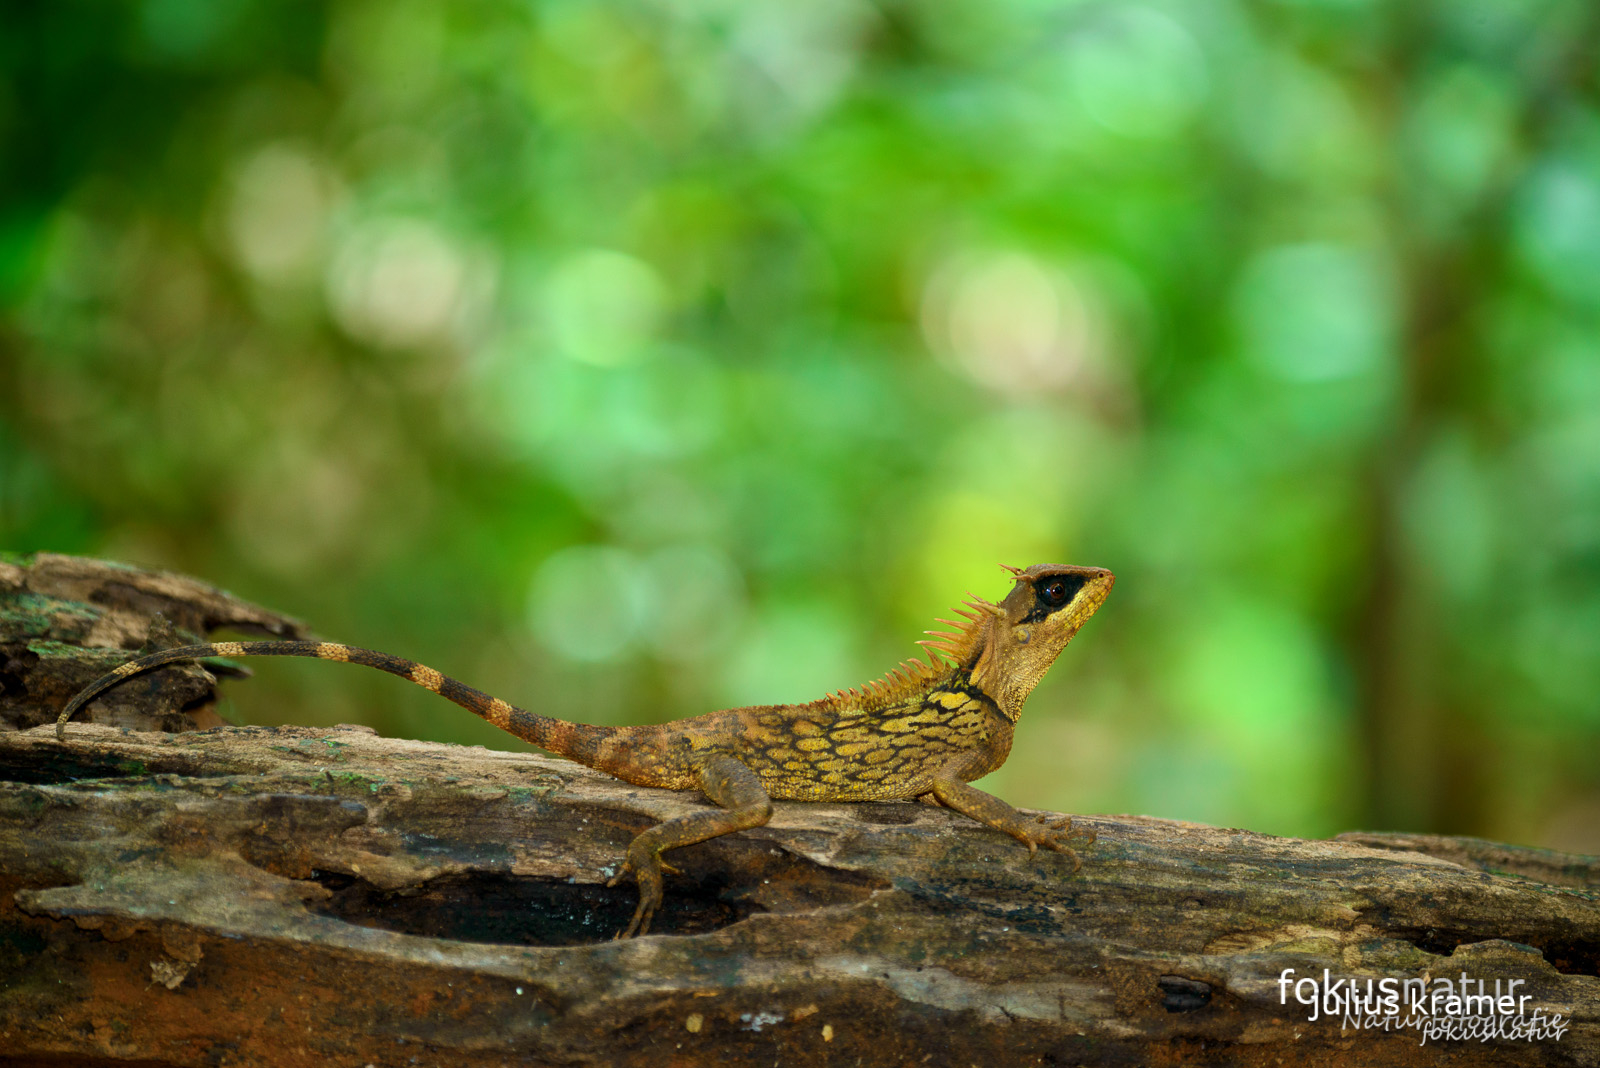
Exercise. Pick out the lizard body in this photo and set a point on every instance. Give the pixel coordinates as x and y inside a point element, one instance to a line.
<point>923,731</point>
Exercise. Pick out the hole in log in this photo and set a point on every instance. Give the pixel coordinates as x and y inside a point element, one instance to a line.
<point>60,766</point>
<point>51,768</point>
<point>521,910</point>
<point>13,682</point>
<point>1568,956</point>
<point>720,884</point>
<point>1179,994</point>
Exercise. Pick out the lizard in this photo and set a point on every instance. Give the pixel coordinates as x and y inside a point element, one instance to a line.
<point>924,731</point>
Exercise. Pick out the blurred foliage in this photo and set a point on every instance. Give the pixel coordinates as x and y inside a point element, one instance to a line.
<point>631,359</point>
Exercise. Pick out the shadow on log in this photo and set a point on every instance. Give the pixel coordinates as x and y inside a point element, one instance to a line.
<point>303,897</point>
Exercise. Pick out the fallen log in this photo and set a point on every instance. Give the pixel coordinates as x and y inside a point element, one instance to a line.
<point>67,620</point>
<point>297,897</point>
<point>301,896</point>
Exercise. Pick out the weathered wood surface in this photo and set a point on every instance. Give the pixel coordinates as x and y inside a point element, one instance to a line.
<point>308,897</point>
<point>289,897</point>
<point>67,620</point>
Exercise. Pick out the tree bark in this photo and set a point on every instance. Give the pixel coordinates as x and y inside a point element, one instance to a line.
<point>67,620</point>
<point>302,897</point>
<point>311,896</point>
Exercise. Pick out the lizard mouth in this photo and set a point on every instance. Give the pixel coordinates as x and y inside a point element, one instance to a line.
<point>1089,599</point>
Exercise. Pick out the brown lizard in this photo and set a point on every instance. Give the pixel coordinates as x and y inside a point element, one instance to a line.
<point>923,731</point>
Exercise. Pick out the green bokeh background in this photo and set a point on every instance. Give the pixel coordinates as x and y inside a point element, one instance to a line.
<point>629,360</point>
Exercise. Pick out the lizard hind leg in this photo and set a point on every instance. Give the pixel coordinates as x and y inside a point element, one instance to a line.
<point>742,803</point>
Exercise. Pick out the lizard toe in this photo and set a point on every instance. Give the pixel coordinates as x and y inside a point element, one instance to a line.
<point>1065,850</point>
<point>640,924</point>
<point>622,873</point>
<point>649,901</point>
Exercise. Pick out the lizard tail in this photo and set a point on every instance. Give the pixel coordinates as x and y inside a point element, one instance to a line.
<point>577,741</point>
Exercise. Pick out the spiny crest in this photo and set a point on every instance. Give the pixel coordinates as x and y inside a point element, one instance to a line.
<point>959,646</point>
<point>907,678</point>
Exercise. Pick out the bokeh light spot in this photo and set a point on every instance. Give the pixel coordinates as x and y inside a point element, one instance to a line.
<point>397,282</point>
<point>1558,229</point>
<point>603,306</point>
<point>1008,321</point>
<point>277,206</point>
<point>1137,72</point>
<point>589,602</point>
<point>1314,312</point>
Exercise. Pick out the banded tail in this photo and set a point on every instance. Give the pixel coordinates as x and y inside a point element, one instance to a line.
<point>576,741</point>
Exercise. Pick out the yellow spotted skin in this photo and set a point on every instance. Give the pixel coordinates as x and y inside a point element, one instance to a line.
<point>923,731</point>
<point>811,753</point>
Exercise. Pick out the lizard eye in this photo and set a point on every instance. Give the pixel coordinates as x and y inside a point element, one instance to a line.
<point>1057,590</point>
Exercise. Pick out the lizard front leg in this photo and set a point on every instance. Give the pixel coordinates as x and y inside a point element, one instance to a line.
<point>988,809</point>
<point>743,803</point>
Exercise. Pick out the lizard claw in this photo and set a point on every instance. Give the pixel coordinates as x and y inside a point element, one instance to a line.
<point>639,926</point>
<point>627,867</point>
<point>646,865</point>
<point>1052,832</point>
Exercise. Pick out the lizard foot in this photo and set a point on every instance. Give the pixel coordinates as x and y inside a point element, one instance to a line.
<point>646,866</point>
<point>1052,833</point>
<point>1064,825</point>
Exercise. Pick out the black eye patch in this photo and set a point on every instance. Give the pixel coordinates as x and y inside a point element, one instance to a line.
<point>1054,591</point>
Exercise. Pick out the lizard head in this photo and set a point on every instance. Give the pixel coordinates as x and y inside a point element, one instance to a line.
<point>1028,630</point>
